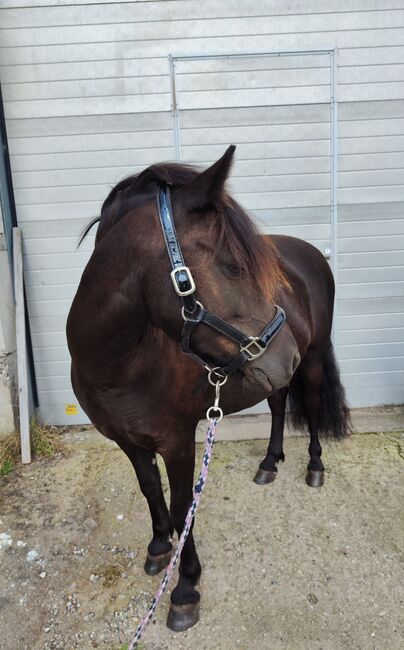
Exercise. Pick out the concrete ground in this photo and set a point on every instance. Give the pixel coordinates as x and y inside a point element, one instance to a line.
<point>378,419</point>
<point>285,566</point>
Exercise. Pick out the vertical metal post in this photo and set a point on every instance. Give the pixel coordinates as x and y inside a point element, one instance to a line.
<point>174,109</point>
<point>334,186</point>
<point>23,386</point>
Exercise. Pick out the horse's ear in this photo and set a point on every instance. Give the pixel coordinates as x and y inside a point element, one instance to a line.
<point>207,187</point>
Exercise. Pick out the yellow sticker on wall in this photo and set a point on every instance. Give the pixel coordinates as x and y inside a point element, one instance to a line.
<point>71,409</point>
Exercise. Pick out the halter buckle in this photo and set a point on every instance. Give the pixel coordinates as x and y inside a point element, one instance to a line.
<point>183,286</point>
<point>251,353</point>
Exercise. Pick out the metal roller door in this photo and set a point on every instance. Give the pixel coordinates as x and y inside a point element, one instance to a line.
<point>87,99</point>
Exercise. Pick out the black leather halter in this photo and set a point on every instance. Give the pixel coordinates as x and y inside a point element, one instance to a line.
<point>193,312</point>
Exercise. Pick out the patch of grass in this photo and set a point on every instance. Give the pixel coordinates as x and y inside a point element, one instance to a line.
<point>110,574</point>
<point>6,467</point>
<point>45,442</point>
<point>10,450</point>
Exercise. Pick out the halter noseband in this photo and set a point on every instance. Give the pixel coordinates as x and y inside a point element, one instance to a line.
<point>193,312</point>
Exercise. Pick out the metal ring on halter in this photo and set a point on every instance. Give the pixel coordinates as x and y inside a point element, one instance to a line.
<point>217,409</point>
<point>221,378</point>
<point>200,305</point>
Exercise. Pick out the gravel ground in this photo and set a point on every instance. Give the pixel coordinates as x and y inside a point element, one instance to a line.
<point>285,566</point>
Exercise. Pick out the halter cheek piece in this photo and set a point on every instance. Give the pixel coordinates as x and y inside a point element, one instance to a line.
<point>193,312</point>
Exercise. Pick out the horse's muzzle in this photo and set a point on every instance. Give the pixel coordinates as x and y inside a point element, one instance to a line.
<point>275,368</point>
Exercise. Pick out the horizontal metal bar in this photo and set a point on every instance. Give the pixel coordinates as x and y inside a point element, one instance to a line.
<point>324,102</point>
<point>243,55</point>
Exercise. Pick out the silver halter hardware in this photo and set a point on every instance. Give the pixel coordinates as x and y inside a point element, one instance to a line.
<point>189,279</point>
<point>247,348</point>
<point>217,384</point>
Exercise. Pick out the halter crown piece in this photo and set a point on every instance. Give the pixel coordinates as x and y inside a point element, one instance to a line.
<point>193,312</point>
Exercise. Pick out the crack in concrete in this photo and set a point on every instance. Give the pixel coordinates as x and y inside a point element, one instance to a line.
<point>397,445</point>
<point>400,450</point>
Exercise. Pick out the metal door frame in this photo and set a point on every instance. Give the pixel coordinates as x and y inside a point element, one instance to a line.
<point>333,66</point>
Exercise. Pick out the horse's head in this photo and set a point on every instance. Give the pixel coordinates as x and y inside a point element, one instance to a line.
<point>236,271</point>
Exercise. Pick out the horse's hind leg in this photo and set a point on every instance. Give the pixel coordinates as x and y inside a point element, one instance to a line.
<point>312,374</point>
<point>267,470</point>
<point>184,609</point>
<point>147,471</point>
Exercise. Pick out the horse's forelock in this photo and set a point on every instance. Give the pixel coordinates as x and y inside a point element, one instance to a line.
<point>258,256</point>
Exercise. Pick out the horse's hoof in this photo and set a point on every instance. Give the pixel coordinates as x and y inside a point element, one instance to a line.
<point>156,563</point>
<point>264,476</point>
<point>315,477</point>
<point>182,617</point>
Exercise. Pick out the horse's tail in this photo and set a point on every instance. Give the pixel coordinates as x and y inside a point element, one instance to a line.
<point>334,419</point>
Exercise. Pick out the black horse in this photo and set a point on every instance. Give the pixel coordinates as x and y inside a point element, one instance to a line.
<point>124,332</point>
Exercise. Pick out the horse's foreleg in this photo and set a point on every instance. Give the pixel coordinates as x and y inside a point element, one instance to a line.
<point>184,609</point>
<point>147,471</point>
<point>267,470</point>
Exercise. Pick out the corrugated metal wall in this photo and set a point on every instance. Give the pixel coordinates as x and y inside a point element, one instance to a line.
<point>87,101</point>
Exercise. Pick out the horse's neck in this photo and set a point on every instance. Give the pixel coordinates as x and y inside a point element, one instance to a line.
<point>108,313</point>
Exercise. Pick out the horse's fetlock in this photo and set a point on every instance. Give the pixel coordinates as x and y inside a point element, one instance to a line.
<point>185,593</point>
<point>269,463</point>
<point>280,457</point>
<point>316,465</point>
<point>160,545</point>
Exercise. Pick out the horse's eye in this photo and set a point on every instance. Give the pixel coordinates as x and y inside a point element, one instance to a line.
<point>234,269</point>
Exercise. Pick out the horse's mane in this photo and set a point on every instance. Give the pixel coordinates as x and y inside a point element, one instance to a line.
<point>236,233</point>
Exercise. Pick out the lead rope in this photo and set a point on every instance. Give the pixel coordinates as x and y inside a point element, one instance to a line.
<point>197,492</point>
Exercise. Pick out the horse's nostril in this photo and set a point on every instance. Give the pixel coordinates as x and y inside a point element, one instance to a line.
<point>296,362</point>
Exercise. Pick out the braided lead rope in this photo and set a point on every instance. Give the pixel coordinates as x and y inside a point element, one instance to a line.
<point>198,489</point>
